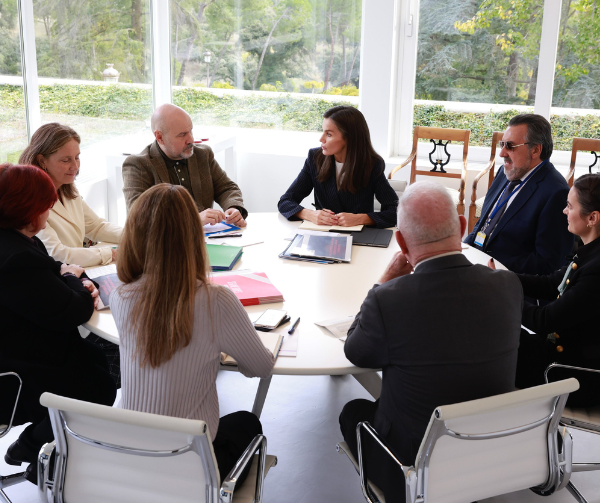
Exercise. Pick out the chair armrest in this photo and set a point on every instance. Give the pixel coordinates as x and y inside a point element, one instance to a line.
<point>45,478</point>
<point>362,460</point>
<point>412,155</point>
<point>478,177</point>
<point>259,443</point>
<point>560,365</point>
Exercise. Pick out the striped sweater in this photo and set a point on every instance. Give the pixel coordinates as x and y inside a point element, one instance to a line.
<point>185,386</point>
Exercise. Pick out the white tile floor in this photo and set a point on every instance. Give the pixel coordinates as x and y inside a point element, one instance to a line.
<point>300,419</point>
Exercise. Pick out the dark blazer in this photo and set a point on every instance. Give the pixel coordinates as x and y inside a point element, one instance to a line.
<point>532,236</point>
<point>328,196</point>
<point>574,315</point>
<point>209,181</point>
<point>446,334</point>
<point>39,312</point>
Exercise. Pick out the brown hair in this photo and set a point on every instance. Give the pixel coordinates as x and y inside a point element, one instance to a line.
<point>45,141</point>
<point>360,154</point>
<point>587,188</point>
<point>163,246</point>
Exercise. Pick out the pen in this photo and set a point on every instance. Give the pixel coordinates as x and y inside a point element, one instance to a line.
<point>219,236</point>
<point>291,330</point>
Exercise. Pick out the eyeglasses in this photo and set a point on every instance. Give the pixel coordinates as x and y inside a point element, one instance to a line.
<point>509,145</point>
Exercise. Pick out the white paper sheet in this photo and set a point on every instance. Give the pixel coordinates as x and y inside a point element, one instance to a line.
<point>338,327</point>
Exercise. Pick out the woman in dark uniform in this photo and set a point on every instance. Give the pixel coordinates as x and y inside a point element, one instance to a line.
<point>567,329</point>
<point>42,302</point>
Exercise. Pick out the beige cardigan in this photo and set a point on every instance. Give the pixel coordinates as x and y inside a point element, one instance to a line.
<point>69,224</point>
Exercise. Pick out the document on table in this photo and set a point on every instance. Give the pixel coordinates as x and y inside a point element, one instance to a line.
<point>310,233</point>
<point>101,271</point>
<point>338,327</point>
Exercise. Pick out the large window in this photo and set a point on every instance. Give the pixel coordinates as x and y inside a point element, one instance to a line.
<point>294,48</point>
<point>13,128</point>
<point>76,41</point>
<point>486,53</point>
<point>480,62</point>
<point>577,80</point>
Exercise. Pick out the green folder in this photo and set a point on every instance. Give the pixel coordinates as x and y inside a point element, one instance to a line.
<point>223,257</point>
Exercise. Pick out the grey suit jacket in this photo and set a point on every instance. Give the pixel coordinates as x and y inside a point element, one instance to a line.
<point>446,334</point>
<point>209,182</point>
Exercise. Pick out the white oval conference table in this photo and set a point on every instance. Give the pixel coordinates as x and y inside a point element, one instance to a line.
<point>314,292</point>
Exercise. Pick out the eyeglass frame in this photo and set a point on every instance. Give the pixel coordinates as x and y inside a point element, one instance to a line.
<point>511,148</point>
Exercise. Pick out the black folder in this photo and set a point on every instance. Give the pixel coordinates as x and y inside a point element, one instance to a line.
<point>370,236</point>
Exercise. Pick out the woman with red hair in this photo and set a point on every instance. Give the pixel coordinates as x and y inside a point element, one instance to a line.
<point>42,302</point>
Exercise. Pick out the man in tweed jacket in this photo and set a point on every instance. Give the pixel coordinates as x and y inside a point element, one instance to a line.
<point>173,158</point>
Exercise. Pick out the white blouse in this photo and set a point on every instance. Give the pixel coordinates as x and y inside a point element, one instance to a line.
<point>69,224</point>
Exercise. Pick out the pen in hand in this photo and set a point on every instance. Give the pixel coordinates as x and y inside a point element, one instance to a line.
<point>291,330</point>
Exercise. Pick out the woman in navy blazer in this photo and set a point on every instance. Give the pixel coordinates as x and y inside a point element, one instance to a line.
<point>566,329</point>
<point>42,302</point>
<point>346,174</point>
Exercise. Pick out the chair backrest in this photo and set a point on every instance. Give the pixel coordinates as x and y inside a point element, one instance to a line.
<point>496,445</point>
<point>5,428</point>
<point>490,169</point>
<point>109,454</point>
<point>585,144</point>
<point>444,134</point>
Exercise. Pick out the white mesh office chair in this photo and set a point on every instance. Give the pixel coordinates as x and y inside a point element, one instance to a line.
<point>107,454</point>
<point>15,478</point>
<point>580,418</point>
<point>484,448</point>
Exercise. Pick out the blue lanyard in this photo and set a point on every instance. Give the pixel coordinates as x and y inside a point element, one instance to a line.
<point>501,202</point>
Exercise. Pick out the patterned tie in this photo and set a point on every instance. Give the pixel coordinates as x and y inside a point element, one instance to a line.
<point>507,194</point>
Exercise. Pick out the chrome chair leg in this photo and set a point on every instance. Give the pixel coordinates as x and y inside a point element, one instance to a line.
<point>7,481</point>
<point>575,493</point>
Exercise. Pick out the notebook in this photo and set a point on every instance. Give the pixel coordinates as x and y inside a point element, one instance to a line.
<point>252,288</point>
<point>309,226</point>
<point>223,257</point>
<point>107,280</point>
<point>370,236</point>
<point>331,248</point>
<point>271,340</point>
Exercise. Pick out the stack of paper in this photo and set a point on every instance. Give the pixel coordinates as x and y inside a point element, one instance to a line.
<point>251,288</point>
<point>272,342</point>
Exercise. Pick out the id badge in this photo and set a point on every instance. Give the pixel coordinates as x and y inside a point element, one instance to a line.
<point>480,239</point>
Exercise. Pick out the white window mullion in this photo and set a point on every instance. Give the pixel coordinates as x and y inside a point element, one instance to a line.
<point>406,76</point>
<point>161,52</point>
<point>29,66</point>
<point>377,70</point>
<point>547,57</point>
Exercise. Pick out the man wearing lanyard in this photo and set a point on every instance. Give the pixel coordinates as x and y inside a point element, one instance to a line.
<point>522,224</point>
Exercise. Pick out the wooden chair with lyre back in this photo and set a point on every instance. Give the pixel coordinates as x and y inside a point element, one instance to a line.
<point>477,204</point>
<point>440,157</point>
<point>586,145</point>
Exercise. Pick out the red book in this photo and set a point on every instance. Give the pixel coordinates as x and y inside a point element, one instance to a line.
<point>251,288</point>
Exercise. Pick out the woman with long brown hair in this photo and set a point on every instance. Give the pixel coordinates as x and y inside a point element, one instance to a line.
<point>54,148</point>
<point>346,174</point>
<point>173,323</point>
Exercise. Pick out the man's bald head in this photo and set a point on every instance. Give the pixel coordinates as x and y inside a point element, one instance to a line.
<point>172,128</point>
<point>427,215</point>
<point>166,116</point>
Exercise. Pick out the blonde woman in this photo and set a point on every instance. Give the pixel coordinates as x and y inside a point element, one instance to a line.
<point>55,149</point>
<point>173,323</point>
